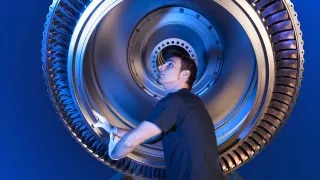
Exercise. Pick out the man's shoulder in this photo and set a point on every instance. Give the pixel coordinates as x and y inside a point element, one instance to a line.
<point>180,97</point>
<point>171,97</point>
<point>188,95</point>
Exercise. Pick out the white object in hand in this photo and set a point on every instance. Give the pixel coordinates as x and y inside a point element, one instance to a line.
<point>102,122</point>
<point>113,142</point>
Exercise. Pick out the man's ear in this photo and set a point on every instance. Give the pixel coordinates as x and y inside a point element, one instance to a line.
<point>185,74</point>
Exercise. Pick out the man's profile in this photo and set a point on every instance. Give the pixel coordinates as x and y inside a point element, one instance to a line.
<point>180,120</point>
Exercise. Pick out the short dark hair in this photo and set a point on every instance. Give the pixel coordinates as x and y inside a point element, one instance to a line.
<point>187,63</point>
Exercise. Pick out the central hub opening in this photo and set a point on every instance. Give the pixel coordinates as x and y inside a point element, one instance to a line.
<point>156,58</point>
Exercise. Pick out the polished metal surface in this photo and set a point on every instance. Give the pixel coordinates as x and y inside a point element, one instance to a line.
<point>109,64</point>
<point>113,73</point>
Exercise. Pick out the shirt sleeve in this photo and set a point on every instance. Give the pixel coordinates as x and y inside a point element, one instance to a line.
<point>166,113</point>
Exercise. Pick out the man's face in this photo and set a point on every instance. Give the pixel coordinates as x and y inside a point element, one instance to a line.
<point>169,73</point>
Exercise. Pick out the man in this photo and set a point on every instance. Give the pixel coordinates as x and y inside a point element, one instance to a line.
<point>180,118</point>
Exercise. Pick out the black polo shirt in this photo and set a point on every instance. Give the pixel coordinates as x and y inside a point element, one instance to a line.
<point>188,137</point>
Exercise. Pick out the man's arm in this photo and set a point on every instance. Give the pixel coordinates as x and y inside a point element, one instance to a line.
<point>120,133</point>
<point>133,138</point>
<point>104,124</point>
<point>153,140</point>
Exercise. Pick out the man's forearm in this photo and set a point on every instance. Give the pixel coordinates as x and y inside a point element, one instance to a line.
<point>123,147</point>
<point>121,132</point>
<point>133,138</point>
<point>153,139</point>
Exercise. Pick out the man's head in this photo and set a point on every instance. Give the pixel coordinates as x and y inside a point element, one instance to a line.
<point>179,70</point>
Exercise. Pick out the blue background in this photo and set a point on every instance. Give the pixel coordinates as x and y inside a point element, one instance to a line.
<point>34,144</point>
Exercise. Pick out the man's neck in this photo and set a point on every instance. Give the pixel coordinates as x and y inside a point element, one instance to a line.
<point>172,89</point>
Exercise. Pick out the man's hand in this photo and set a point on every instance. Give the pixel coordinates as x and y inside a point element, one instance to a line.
<point>102,122</point>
